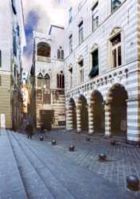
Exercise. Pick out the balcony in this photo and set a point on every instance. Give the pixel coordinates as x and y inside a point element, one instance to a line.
<point>100,80</point>
<point>43,59</point>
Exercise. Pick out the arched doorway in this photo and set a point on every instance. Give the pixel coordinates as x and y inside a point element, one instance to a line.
<point>117,97</point>
<point>73,112</point>
<point>98,112</point>
<point>83,113</point>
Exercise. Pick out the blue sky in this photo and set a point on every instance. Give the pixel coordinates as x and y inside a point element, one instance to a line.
<point>39,14</point>
<point>31,24</point>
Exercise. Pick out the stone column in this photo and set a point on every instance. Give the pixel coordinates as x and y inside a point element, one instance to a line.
<point>91,118</point>
<point>133,120</point>
<point>69,118</point>
<point>78,116</point>
<point>107,119</point>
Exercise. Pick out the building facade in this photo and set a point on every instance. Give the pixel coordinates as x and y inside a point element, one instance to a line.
<point>102,60</point>
<point>12,40</point>
<point>47,76</point>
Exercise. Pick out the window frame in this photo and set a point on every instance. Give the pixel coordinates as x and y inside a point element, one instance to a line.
<point>113,9</point>
<point>93,66</point>
<point>81,32</point>
<point>81,71</point>
<point>95,16</point>
<point>115,51</point>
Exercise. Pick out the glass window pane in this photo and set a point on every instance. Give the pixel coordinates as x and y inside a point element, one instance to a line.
<point>114,58</point>
<point>119,56</point>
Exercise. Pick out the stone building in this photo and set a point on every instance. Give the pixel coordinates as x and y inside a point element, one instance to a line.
<point>102,60</point>
<point>48,100</point>
<point>12,41</point>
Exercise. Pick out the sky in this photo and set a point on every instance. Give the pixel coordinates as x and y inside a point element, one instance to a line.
<point>38,15</point>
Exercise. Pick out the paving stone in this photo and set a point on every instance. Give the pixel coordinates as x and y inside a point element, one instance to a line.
<point>43,171</point>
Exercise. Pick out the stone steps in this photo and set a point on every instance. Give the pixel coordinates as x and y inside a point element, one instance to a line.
<point>41,173</point>
<point>11,184</point>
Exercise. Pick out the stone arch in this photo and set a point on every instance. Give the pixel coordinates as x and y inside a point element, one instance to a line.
<point>117,98</point>
<point>83,109</point>
<point>72,109</point>
<point>43,49</point>
<point>98,111</point>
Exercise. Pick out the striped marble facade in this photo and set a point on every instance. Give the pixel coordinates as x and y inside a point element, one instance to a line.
<point>127,76</point>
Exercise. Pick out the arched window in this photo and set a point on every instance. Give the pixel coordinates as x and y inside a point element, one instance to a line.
<point>43,49</point>
<point>60,80</point>
<point>60,53</point>
<point>39,80</point>
<point>47,81</point>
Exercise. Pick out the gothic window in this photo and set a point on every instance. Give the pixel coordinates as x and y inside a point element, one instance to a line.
<point>60,53</point>
<point>81,33</point>
<point>95,64</point>
<point>95,17</point>
<point>60,80</point>
<point>39,80</point>
<point>43,49</point>
<point>116,50</point>
<point>47,81</point>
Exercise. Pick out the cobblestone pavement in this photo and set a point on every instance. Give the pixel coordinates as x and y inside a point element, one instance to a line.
<point>37,170</point>
<point>123,159</point>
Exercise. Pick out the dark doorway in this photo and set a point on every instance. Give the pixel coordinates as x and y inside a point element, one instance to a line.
<point>46,117</point>
<point>98,110</point>
<point>84,113</point>
<point>118,96</point>
<point>73,109</point>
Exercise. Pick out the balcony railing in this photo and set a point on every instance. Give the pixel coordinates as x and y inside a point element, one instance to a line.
<point>43,59</point>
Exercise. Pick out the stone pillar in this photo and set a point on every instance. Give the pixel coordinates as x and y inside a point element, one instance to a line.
<point>107,119</point>
<point>69,118</point>
<point>78,116</point>
<point>91,118</point>
<point>133,120</point>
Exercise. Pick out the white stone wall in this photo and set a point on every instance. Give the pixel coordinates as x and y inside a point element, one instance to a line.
<point>127,18</point>
<point>124,17</point>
